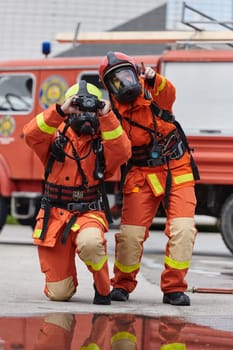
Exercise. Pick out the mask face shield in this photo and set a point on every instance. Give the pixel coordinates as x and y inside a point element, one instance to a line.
<point>123,83</point>
<point>87,98</point>
<point>86,123</point>
<point>121,79</point>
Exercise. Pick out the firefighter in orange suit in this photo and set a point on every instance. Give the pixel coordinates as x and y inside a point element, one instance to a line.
<point>161,169</point>
<point>80,143</point>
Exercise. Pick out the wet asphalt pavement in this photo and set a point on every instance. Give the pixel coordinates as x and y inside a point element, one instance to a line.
<point>21,292</point>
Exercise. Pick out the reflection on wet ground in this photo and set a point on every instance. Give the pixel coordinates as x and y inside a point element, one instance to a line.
<point>65,331</point>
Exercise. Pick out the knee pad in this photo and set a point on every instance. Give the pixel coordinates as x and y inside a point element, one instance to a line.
<point>182,236</point>
<point>129,243</point>
<point>60,290</point>
<point>91,245</point>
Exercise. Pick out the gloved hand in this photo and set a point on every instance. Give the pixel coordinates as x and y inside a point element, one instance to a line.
<point>68,107</point>
<point>149,73</point>
<point>106,108</point>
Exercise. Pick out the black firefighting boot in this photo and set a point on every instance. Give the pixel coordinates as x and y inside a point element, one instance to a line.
<point>176,298</point>
<point>119,294</point>
<point>101,299</point>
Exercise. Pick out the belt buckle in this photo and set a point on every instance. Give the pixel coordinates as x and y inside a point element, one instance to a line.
<point>95,205</point>
<point>82,207</point>
<point>150,162</point>
<point>155,162</point>
<point>70,206</point>
<point>44,202</point>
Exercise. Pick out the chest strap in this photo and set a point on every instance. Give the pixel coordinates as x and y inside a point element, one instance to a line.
<point>66,231</point>
<point>176,151</point>
<point>164,114</point>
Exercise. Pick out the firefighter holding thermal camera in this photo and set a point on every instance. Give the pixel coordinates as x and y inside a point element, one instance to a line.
<point>161,170</point>
<point>80,144</point>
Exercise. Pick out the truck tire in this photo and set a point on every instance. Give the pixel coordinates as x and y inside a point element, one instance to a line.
<point>226,223</point>
<point>3,211</point>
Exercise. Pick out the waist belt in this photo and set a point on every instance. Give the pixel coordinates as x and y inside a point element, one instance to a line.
<point>73,206</point>
<point>150,162</point>
<point>70,194</point>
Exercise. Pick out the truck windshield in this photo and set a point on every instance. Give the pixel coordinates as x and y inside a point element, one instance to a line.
<point>16,93</point>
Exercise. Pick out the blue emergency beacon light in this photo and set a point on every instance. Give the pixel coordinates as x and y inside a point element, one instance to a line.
<point>46,48</point>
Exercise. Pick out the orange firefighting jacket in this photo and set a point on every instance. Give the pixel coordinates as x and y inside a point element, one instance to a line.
<point>40,134</point>
<point>163,93</point>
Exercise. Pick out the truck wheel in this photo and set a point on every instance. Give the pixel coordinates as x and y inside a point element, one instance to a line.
<point>226,222</point>
<point>3,211</point>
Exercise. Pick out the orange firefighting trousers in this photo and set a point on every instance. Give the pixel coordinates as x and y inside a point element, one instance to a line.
<point>58,262</point>
<point>139,209</point>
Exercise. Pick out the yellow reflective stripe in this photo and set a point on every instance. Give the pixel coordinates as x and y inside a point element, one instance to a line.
<point>183,178</point>
<point>126,269</point>
<point>178,265</point>
<point>91,346</point>
<point>123,335</point>
<point>36,233</point>
<point>75,227</point>
<point>98,266</point>
<point>173,346</point>
<point>113,134</point>
<point>155,183</point>
<point>161,86</point>
<point>43,126</point>
<point>98,218</point>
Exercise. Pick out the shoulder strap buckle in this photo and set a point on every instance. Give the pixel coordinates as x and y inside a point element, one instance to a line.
<point>163,114</point>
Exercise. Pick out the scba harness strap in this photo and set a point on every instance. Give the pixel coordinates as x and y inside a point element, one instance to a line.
<point>74,199</point>
<point>172,146</point>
